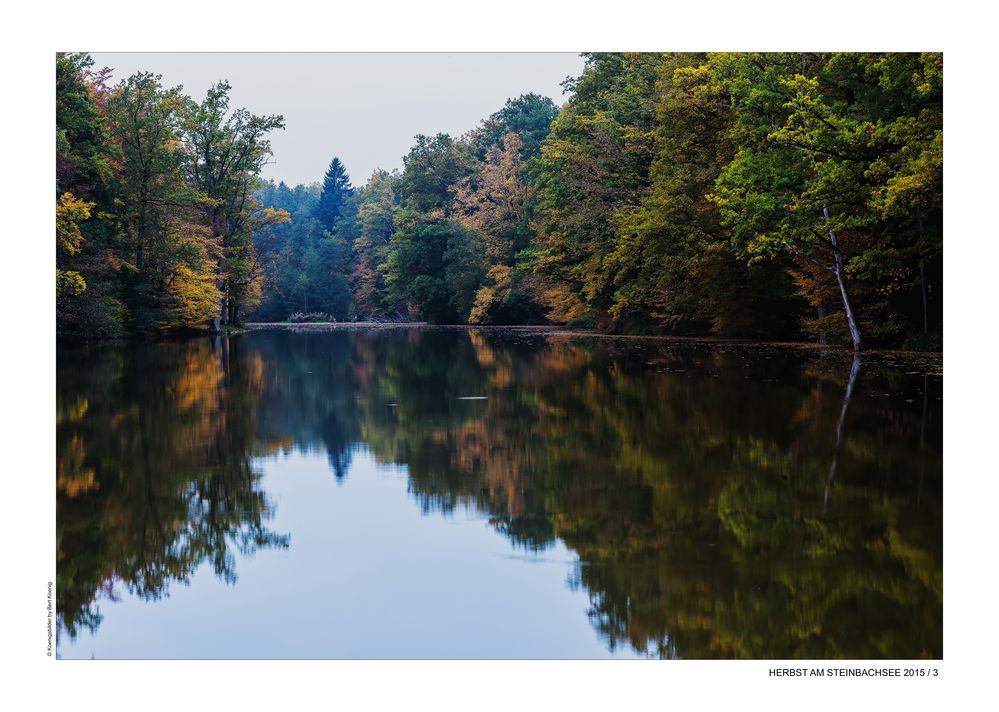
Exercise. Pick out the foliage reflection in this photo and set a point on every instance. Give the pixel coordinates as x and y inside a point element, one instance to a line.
<point>723,501</point>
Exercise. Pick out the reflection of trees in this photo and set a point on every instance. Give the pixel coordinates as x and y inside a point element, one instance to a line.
<point>307,397</point>
<point>691,483</point>
<point>163,451</point>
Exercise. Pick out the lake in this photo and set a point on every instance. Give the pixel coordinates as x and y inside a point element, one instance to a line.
<point>474,493</point>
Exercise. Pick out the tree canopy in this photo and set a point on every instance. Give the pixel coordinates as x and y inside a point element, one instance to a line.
<point>764,195</point>
<point>156,210</point>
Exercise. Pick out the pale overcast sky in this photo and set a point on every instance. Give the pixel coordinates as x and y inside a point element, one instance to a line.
<point>364,108</point>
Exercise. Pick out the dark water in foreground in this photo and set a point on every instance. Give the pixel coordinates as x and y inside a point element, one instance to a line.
<point>452,493</point>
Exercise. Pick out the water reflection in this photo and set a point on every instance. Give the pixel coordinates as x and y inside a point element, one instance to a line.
<point>154,471</point>
<point>722,502</point>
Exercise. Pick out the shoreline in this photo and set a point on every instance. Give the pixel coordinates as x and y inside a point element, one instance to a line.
<point>555,330</point>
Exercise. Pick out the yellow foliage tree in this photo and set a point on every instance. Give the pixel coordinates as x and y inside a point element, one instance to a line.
<point>192,284</point>
<point>70,212</point>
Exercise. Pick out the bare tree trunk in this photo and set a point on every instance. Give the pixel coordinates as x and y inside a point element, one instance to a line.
<point>838,267</point>
<point>850,320</point>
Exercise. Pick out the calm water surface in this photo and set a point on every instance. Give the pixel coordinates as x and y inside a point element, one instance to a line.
<point>447,493</point>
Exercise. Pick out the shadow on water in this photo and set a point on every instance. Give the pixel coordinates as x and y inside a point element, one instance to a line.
<point>711,513</point>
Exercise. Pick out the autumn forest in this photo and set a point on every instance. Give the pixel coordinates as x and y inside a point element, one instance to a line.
<point>649,369</point>
<point>777,196</point>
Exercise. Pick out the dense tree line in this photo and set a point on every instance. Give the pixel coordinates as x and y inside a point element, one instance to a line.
<point>444,240</point>
<point>779,195</point>
<point>756,195</point>
<point>156,212</point>
<point>750,194</point>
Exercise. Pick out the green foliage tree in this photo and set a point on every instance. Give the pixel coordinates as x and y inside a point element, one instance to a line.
<point>336,192</point>
<point>821,138</point>
<point>432,166</point>
<point>427,267</point>
<point>376,215</point>
<point>169,218</point>
<point>84,154</point>
<point>725,192</point>
<point>907,174</point>
<point>87,289</point>
<point>495,204</point>
<point>166,267</point>
<point>281,249</point>
<point>530,116</point>
<point>304,266</point>
<point>225,151</point>
<point>594,162</point>
<point>672,266</point>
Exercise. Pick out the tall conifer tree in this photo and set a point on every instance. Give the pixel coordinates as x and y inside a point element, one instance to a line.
<point>336,192</point>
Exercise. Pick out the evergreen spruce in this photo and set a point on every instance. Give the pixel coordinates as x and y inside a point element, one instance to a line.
<point>336,192</point>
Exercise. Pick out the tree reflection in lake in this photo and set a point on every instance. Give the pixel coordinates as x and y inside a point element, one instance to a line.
<point>723,501</point>
<point>154,470</point>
